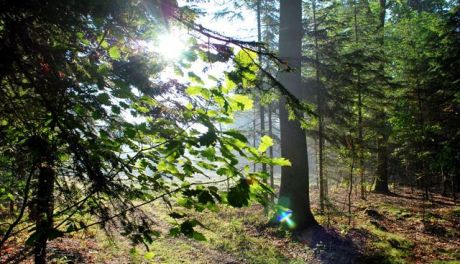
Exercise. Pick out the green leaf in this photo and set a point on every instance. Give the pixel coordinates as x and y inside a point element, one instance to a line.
<point>237,135</point>
<point>114,53</point>
<point>195,78</point>
<point>242,102</point>
<point>238,196</point>
<point>103,98</point>
<point>265,143</point>
<point>205,197</point>
<point>193,90</point>
<point>209,153</point>
<point>149,255</point>
<point>207,139</point>
<point>10,197</point>
<point>280,162</point>
<point>245,58</point>
<point>116,109</point>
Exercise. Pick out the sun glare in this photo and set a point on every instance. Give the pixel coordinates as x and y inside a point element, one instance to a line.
<point>171,45</point>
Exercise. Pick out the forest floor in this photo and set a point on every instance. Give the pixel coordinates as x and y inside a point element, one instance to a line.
<point>396,228</point>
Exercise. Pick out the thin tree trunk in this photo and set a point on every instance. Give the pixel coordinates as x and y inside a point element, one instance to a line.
<point>381,183</point>
<point>319,98</point>
<point>352,165</point>
<point>254,134</point>
<point>360,115</point>
<point>445,182</point>
<point>262,108</point>
<point>454,188</point>
<point>11,204</point>
<point>361,142</point>
<point>422,125</point>
<point>270,150</point>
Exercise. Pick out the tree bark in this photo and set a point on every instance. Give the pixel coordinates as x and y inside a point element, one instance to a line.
<point>352,166</point>
<point>44,203</point>
<point>294,190</point>
<point>262,108</point>
<point>270,150</point>
<point>319,98</point>
<point>360,112</point>
<point>381,183</point>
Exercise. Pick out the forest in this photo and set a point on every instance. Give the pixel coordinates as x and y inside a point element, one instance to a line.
<point>244,131</point>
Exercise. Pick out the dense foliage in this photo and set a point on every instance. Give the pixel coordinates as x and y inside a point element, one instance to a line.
<point>384,78</point>
<point>92,128</point>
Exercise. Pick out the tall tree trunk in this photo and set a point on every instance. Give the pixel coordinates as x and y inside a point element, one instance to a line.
<point>381,184</point>
<point>319,98</point>
<point>361,142</point>
<point>360,113</point>
<point>262,108</point>
<point>294,190</point>
<point>424,179</point>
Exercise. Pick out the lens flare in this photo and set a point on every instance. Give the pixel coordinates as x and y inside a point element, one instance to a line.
<point>285,218</point>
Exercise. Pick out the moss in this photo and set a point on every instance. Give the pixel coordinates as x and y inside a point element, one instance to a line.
<point>390,248</point>
<point>448,255</point>
<point>397,212</point>
<point>232,238</point>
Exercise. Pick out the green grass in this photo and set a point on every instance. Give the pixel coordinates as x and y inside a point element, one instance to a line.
<point>391,248</point>
<point>229,235</point>
<point>232,237</point>
<point>242,236</point>
<point>170,250</point>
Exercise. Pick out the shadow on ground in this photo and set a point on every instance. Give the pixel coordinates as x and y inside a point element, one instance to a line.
<point>330,247</point>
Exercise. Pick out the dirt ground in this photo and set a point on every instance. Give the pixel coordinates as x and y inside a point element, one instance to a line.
<point>395,228</point>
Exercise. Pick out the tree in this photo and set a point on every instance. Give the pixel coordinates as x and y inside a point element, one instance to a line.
<point>320,110</point>
<point>97,128</point>
<point>294,189</point>
<point>424,109</point>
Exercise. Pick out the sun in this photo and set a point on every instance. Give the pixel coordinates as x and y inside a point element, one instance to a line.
<point>171,45</point>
